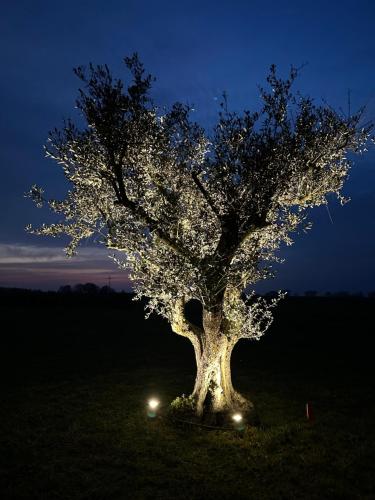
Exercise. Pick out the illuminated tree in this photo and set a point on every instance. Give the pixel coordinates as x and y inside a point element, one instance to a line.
<point>196,215</point>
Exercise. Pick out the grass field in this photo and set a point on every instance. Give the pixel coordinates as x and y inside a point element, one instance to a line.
<point>76,373</point>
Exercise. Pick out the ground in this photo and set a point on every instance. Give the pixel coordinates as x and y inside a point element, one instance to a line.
<point>76,374</point>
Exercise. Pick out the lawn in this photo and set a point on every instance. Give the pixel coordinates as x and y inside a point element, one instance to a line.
<point>76,373</point>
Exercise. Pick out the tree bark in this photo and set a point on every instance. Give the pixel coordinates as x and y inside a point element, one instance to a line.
<point>213,390</point>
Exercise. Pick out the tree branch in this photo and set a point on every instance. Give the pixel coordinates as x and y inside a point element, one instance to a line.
<point>205,194</point>
<point>139,211</point>
<point>182,326</point>
<point>252,228</point>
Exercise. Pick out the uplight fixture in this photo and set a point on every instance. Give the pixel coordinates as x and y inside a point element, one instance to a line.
<point>153,404</point>
<point>237,418</point>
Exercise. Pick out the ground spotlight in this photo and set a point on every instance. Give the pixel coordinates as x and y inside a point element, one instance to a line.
<point>237,418</point>
<point>152,407</point>
<point>238,421</point>
<point>153,404</point>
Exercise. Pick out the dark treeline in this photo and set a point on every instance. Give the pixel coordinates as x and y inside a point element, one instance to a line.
<point>93,289</point>
<point>79,288</point>
<point>76,296</point>
<point>86,288</point>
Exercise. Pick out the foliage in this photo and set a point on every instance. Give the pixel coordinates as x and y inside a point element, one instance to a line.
<point>183,404</point>
<point>197,215</point>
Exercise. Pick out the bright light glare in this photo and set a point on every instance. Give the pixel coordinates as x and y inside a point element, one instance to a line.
<point>237,417</point>
<point>153,404</point>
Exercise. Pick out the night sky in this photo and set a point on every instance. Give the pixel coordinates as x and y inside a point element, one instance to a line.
<point>196,50</point>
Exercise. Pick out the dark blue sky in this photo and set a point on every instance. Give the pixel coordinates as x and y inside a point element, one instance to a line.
<point>196,50</point>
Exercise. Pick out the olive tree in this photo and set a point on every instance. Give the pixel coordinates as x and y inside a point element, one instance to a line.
<point>195,214</point>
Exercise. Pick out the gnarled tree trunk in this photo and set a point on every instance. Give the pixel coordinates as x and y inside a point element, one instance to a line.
<point>213,390</point>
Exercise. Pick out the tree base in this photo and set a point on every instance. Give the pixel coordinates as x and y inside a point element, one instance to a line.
<point>183,409</point>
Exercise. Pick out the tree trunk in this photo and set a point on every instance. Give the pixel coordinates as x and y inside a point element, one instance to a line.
<point>213,345</point>
<point>213,390</point>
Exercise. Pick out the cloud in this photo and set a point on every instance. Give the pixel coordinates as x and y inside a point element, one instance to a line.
<point>26,254</point>
<point>33,266</point>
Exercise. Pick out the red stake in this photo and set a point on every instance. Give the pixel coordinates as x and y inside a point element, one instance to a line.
<point>309,412</point>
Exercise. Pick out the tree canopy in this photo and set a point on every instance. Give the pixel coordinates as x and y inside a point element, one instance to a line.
<point>198,215</point>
